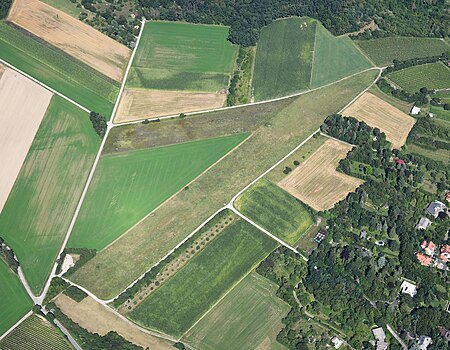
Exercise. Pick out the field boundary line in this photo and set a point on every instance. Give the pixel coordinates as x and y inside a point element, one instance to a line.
<point>313,58</point>
<point>363,53</point>
<point>9,65</point>
<point>15,325</point>
<point>336,139</point>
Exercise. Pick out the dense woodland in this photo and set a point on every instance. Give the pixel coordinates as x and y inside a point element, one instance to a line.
<point>4,8</point>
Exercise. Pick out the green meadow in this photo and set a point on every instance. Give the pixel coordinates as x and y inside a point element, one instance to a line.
<point>434,76</point>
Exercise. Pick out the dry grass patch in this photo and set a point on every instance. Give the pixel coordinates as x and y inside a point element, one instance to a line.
<point>71,36</point>
<point>97,318</point>
<point>316,182</point>
<point>139,104</point>
<point>380,114</point>
<point>23,105</point>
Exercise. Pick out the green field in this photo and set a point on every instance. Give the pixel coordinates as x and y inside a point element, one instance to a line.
<point>444,96</point>
<point>35,333</point>
<point>182,56</point>
<point>57,70</point>
<point>183,299</point>
<point>335,58</point>
<point>284,58</point>
<point>42,202</point>
<point>67,6</point>
<point>384,51</point>
<point>275,210</point>
<point>434,76</point>
<point>15,300</point>
<point>440,113</point>
<point>127,186</point>
<point>249,317</point>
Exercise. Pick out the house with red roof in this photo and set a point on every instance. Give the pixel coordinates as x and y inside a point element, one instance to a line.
<point>423,259</point>
<point>399,161</point>
<point>428,247</point>
<point>445,251</point>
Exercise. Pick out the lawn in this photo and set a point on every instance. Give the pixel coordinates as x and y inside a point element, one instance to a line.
<point>249,317</point>
<point>57,70</point>
<point>182,56</point>
<point>335,58</point>
<point>127,186</point>
<point>191,292</point>
<point>15,300</point>
<point>384,51</point>
<point>42,202</point>
<point>284,58</point>
<point>35,333</point>
<point>434,76</point>
<point>275,210</point>
<point>291,122</point>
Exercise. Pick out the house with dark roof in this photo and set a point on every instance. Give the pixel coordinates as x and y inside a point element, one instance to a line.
<point>435,208</point>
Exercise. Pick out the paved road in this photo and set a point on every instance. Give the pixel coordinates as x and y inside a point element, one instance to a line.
<point>396,336</point>
<point>67,334</point>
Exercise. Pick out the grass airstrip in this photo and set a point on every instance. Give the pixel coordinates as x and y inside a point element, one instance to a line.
<point>433,76</point>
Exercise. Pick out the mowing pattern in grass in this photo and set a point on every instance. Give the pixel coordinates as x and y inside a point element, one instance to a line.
<point>335,58</point>
<point>275,210</point>
<point>15,301</point>
<point>127,186</point>
<point>384,51</point>
<point>35,333</point>
<point>184,298</point>
<point>434,76</point>
<point>284,58</point>
<point>440,113</point>
<point>55,69</point>
<point>249,317</point>
<point>182,56</point>
<point>40,206</point>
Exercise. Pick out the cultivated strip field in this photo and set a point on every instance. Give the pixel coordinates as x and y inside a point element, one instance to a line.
<point>23,105</point>
<point>140,103</point>
<point>316,181</point>
<point>97,318</point>
<point>35,333</point>
<point>72,36</point>
<point>36,216</point>
<point>380,114</point>
<point>249,317</point>
<point>434,76</point>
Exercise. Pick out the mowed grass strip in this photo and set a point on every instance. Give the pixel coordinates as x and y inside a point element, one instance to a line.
<point>433,76</point>
<point>335,58</point>
<point>284,58</point>
<point>384,51</point>
<point>41,204</point>
<point>127,186</point>
<point>57,70</point>
<point>182,56</point>
<point>249,317</point>
<point>35,333</point>
<point>192,291</point>
<point>15,300</point>
<point>275,210</point>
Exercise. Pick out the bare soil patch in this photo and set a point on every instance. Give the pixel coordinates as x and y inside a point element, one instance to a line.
<point>97,318</point>
<point>71,36</point>
<point>316,181</point>
<point>140,104</point>
<point>23,106</point>
<point>380,114</point>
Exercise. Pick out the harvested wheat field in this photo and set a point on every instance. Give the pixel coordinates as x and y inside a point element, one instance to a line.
<point>139,104</point>
<point>97,318</point>
<point>316,182</point>
<point>23,105</point>
<point>380,114</point>
<point>72,36</point>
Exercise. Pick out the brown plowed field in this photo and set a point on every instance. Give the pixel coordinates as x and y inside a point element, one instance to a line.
<point>72,36</point>
<point>380,114</point>
<point>316,181</point>
<point>139,104</point>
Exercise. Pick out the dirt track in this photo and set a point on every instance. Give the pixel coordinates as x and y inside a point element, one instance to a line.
<point>23,105</point>
<point>74,37</point>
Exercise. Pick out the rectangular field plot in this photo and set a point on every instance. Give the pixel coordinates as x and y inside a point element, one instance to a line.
<point>128,186</point>
<point>433,76</point>
<point>23,105</point>
<point>275,210</point>
<point>15,300</point>
<point>35,333</point>
<point>380,114</point>
<point>249,317</point>
<point>55,69</point>
<point>38,212</point>
<point>183,299</point>
<point>316,181</point>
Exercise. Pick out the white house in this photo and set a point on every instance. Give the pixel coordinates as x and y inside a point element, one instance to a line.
<point>423,223</point>
<point>415,110</point>
<point>424,342</point>
<point>408,288</point>
<point>337,343</point>
<point>380,337</point>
